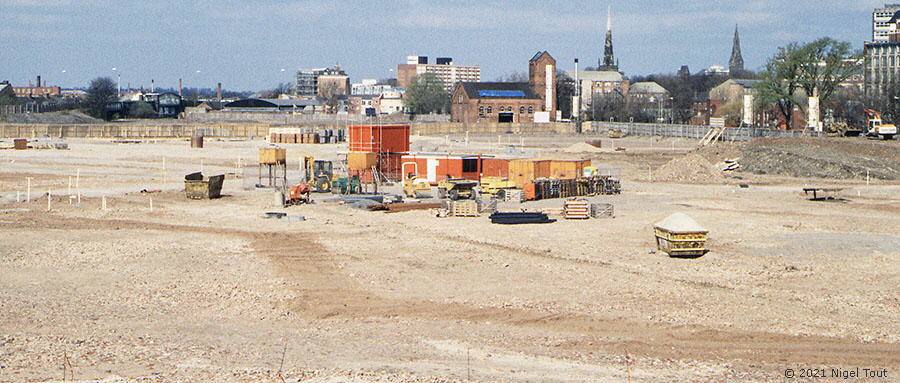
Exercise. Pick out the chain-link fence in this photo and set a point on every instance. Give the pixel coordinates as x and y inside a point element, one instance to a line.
<point>698,131</point>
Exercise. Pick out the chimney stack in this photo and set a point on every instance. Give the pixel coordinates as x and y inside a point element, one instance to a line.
<point>179,88</point>
<point>219,93</point>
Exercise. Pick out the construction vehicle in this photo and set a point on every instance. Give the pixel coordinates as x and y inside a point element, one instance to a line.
<point>875,126</point>
<point>842,129</point>
<point>319,174</point>
<point>299,194</point>
<point>457,188</point>
<point>348,185</point>
<point>415,187</point>
<point>496,187</point>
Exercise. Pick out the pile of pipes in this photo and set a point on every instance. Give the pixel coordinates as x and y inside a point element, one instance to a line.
<point>520,218</point>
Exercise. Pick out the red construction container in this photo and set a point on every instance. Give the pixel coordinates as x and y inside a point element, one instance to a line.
<point>379,138</point>
<point>436,167</point>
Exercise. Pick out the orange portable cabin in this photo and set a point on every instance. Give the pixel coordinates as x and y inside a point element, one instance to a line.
<point>379,138</point>
<point>436,167</point>
<point>525,171</point>
<point>568,169</point>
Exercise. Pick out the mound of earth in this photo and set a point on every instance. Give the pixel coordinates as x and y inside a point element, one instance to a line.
<point>822,158</point>
<point>692,168</point>
<point>582,147</point>
<point>64,117</point>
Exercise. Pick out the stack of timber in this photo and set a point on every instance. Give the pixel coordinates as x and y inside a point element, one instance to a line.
<point>520,218</point>
<point>403,207</point>
<point>576,208</point>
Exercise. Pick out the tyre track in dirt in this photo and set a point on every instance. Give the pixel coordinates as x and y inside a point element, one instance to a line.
<point>328,293</point>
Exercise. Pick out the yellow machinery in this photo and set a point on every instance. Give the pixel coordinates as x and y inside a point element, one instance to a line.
<point>457,189</point>
<point>877,128</point>
<point>496,187</point>
<point>414,187</point>
<point>319,174</point>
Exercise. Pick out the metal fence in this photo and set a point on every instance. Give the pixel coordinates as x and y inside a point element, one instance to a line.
<point>698,131</point>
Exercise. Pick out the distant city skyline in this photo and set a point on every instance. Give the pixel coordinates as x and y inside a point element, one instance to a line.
<point>255,44</point>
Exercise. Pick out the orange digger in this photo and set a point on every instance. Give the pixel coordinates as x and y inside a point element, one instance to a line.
<point>299,194</point>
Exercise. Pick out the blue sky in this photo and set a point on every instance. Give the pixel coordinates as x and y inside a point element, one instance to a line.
<point>246,44</point>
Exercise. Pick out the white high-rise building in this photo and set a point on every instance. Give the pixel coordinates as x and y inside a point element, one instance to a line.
<point>881,18</point>
<point>443,68</point>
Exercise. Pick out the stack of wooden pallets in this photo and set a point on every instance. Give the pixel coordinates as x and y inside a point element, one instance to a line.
<point>577,208</point>
<point>464,208</point>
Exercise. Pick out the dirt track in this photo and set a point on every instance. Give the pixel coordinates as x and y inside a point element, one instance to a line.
<point>208,291</point>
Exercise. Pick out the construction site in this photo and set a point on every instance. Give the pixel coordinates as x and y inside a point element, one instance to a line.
<point>397,253</point>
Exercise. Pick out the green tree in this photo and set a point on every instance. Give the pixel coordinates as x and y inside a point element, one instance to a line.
<point>781,80</point>
<point>101,92</point>
<point>828,64</point>
<point>142,109</point>
<point>426,95</point>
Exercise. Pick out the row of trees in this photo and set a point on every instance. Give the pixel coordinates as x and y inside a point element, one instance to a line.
<point>798,71</point>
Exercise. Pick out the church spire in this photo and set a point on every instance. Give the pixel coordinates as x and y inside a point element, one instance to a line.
<point>609,58</point>
<point>736,65</point>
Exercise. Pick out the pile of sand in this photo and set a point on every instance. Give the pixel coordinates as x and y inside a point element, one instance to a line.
<point>692,168</point>
<point>680,222</point>
<point>583,147</point>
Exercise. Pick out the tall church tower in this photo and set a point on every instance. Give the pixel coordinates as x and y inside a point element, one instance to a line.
<point>609,58</point>
<point>736,65</point>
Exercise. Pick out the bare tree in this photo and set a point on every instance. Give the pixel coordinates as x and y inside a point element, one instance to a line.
<point>517,76</point>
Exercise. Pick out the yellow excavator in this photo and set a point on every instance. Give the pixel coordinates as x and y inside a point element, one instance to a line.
<point>877,128</point>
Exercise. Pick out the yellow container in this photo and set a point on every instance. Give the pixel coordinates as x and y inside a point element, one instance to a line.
<point>272,156</point>
<point>361,160</point>
<point>680,236</point>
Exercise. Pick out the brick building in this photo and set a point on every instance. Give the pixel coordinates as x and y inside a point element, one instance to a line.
<point>486,102</point>
<point>477,102</point>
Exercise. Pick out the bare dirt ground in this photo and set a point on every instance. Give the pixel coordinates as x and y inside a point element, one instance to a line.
<point>210,291</point>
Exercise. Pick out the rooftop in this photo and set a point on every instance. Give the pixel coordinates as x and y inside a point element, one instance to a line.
<point>498,90</point>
